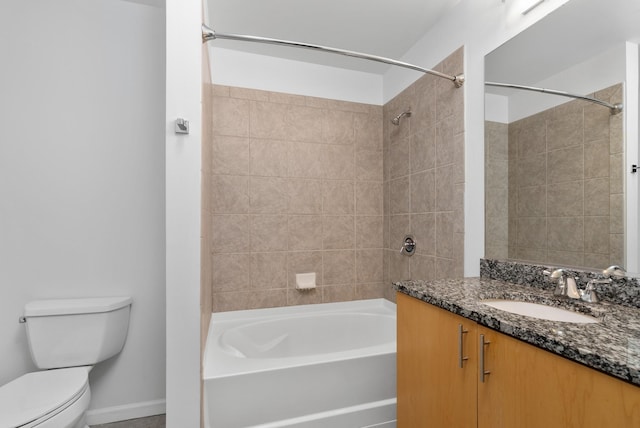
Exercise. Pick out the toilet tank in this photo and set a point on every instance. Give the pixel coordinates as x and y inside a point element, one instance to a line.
<point>76,332</point>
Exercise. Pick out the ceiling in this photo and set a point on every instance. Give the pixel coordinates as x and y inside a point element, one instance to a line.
<point>571,34</point>
<point>384,28</point>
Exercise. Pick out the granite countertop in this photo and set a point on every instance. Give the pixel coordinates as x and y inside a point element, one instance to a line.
<point>612,345</point>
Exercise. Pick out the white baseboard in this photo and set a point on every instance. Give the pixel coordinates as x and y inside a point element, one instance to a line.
<point>127,411</point>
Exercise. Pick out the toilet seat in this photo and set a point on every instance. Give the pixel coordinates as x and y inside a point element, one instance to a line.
<point>33,398</point>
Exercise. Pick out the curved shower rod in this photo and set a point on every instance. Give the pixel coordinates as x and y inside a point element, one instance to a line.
<point>614,108</point>
<point>210,34</point>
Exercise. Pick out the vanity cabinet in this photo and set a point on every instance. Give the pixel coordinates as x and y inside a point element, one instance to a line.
<point>525,387</point>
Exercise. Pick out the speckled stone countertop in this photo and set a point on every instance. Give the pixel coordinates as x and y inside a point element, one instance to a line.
<point>612,345</point>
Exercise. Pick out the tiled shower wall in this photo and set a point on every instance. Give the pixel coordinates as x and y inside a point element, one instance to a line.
<point>424,177</point>
<point>295,187</point>
<point>565,192</point>
<point>301,184</point>
<point>496,190</point>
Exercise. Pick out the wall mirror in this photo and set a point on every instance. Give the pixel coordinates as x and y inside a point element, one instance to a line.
<point>558,183</point>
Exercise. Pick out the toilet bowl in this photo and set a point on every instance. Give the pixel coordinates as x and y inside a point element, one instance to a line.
<point>46,399</point>
<point>66,337</point>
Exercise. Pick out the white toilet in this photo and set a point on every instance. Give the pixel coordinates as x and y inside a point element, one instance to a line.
<point>67,336</point>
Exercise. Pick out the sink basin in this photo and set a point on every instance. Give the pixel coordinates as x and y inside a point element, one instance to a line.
<point>540,311</point>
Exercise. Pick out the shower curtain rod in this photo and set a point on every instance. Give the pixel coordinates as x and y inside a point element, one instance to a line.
<point>210,34</point>
<point>614,108</point>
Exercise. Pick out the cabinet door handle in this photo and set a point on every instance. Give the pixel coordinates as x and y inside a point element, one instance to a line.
<point>461,357</point>
<point>483,372</point>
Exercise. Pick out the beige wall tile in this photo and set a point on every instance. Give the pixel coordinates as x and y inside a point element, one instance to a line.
<point>339,293</point>
<point>338,232</point>
<point>445,188</point>
<point>338,127</point>
<point>371,291</point>
<point>248,94</point>
<point>565,128</point>
<point>338,197</point>
<point>368,198</point>
<point>269,270</point>
<point>564,199</point>
<point>532,232</point>
<point>304,297</point>
<point>254,299</point>
<point>596,156</point>
<point>269,233</point>
<point>230,233</point>
<point>399,269</point>
<point>422,267</point>
<point>400,195</point>
<point>369,231</point>
<point>596,123</point>
<point>566,234</point>
<point>445,145</point>
<point>369,266</point>
<point>268,195</point>
<point>338,267</point>
<point>616,176</point>
<point>399,163</point>
<point>368,130</point>
<point>231,272</point>
<point>616,224</point>
<point>423,228</point>
<point>597,198</point>
<point>565,165</point>
<point>531,171</point>
<point>230,155</point>
<point>399,227</point>
<point>305,196</point>
<point>338,162</point>
<point>423,191</point>
<point>269,158</point>
<point>306,160</point>
<point>444,235</point>
<point>423,149</point>
<point>230,194</point>
<point>596,235</point>
<point>531,139</point>
<point>230,117</point>
<point>369,165</point>
<point>305,232</point>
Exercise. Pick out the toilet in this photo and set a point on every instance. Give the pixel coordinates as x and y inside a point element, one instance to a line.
<point>66,338</point>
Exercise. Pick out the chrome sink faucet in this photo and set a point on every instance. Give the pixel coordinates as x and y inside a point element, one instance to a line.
<point>589,293</point>
<point>566,285</point>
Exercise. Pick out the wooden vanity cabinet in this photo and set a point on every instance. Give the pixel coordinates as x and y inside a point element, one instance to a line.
<point>526,387</point>
<point>433,390</point>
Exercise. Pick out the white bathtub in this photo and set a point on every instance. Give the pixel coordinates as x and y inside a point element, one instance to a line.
<point>313,366</point>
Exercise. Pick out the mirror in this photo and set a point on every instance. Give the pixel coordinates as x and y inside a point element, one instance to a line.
<point>555,167</point>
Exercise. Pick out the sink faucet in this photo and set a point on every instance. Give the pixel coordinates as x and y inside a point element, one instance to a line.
<point>615,271</point>
<point>566,285</point>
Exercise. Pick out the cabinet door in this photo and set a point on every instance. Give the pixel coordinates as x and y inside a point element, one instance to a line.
<point>433,390</point>
<point>528,387</point>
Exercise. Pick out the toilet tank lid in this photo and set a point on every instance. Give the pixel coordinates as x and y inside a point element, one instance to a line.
<point>41,308</point>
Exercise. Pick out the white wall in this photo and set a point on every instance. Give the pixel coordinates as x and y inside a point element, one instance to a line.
<point>248,70</point>
<point>82,179</point>
<point>183,183</point>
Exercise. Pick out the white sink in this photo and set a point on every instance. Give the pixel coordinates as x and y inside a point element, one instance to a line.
<point>540,311</point>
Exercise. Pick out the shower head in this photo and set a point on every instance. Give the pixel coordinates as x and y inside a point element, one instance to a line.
<point>396,120</point>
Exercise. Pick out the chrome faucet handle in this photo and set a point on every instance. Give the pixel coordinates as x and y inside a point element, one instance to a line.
<point>589,294</point>
<point>561,276</point>
<point>615,271</point>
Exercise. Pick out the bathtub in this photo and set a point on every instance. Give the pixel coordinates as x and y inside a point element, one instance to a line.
<point>311,366</point>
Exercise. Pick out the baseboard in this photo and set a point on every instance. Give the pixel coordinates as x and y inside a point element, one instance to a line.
<point>125,412</point>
